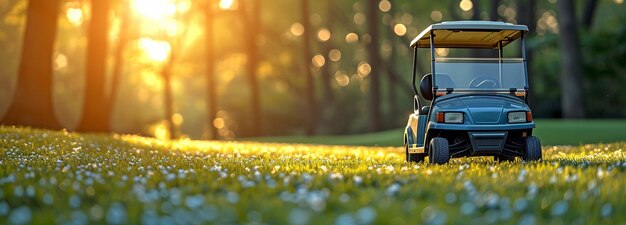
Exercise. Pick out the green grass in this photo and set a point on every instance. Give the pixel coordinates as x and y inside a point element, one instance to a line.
<point>59,177</point>
<point>550,132</point>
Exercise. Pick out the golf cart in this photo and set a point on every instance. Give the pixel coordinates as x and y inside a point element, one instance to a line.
<point>471,106</point>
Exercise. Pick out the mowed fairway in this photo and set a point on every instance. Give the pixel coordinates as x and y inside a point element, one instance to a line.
<point>65,178</point>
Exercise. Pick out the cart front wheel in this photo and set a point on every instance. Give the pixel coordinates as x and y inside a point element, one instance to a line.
<point>532,149</point>
<point>438,151</point>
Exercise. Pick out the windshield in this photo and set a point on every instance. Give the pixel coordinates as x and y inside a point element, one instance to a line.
<point>471,74</point>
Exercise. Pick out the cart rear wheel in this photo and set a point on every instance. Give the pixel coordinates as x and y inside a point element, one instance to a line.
<point>438,151</point>
<point>532,149</point>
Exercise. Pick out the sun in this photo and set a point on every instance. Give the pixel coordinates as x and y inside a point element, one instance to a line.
<point>154,50</point>
<point>154,9</point>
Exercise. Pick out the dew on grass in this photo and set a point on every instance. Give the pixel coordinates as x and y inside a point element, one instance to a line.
<point>299,216</point>
<point>116,214</point>
<point>20,215</point>
<point>365,215</point>
<point>4,208</point>
<point>559,208</point>
<point>606,210</point>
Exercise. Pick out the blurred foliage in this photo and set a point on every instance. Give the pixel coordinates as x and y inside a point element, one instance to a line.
<point>139,108</point>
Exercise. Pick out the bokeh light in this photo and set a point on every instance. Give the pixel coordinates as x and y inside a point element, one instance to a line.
<point>352,37</point>
<point>318,60</point>
<point>436,15</point>
<point>466,5</point>
<point>364,69</point>
<point>296,29</point>
<point>334,55</point>
<point>384,6</point>
<point>399,29</point>
<point>323,34</point>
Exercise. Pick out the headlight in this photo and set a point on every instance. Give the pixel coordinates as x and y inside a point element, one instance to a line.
<point>517,117</point>
<point>453,117</point>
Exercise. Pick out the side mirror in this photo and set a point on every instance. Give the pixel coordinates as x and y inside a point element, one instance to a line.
<point>426,87</point>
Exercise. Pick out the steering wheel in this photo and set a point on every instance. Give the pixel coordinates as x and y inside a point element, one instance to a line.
<point>483,82</point>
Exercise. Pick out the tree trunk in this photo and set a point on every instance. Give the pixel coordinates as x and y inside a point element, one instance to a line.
<point>32,100</point>
<point>95,117</point>
<point>210,70</point>
<point>572,104</point>
<point>123,38</point>
<point>493,10</point>
<point>306,60</point>
<point>252,30</point>
<point>526,12</point>
<point>167,95</point>
<point>374,61</point>
<point>588,13</point>
<point>327,77</point>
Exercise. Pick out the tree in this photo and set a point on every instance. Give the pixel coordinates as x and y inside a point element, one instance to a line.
<point>210,68</point>
<point>306,59</point>
<point>123,38</point>
<point>526,12</point>
<point>95,116</point>
<point>374,123</point>
<point>394,80</point>
<point>588,13</point>
<point>251,17</point>
<point>327,46</point>
<point>32,100</point>
<point>572,104</point>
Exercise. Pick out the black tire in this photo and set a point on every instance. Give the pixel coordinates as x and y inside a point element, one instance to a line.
<point>503,158</point>
<point>416,158</point>
<point>532,149</point>
<point>438,151</point>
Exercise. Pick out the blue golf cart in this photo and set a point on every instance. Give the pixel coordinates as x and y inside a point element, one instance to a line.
<point>471,106</point>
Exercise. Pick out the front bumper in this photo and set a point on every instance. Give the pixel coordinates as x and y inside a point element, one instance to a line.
<point>487,142</point>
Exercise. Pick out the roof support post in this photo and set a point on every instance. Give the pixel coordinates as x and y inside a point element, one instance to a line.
<point>432,61</point>
<point>500,55</point>
<point>414,69</point>
<point>525,66</point>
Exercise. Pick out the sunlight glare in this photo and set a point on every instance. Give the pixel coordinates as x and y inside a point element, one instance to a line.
<point>60,61</point>
<point>74,16</point>
<point>154,9</point>
<point>442,51</point>
<point>155,50</point>
<point>228,4</point>
<point>161,131</point>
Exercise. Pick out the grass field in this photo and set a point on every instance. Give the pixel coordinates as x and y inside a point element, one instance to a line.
<point>551,132</point>
<point>49,177</point>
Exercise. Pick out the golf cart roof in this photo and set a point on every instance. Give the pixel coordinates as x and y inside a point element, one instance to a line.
<point>469,34</point>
